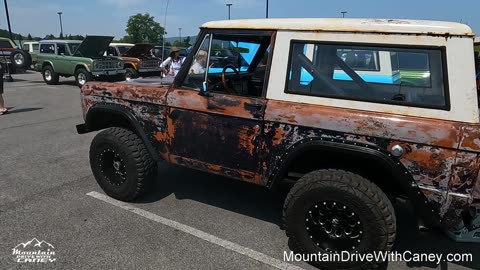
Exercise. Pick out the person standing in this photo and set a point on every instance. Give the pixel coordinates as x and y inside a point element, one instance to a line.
<point>3,109</point>
<point>173,63</point>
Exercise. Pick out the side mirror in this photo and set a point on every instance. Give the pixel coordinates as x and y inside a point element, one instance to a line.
<point>204,92</point>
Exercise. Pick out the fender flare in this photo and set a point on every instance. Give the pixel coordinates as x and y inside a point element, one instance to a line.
<point>402,177</point>
<point>48,63</point>
<point>125,113</point>
<point>81,65</point>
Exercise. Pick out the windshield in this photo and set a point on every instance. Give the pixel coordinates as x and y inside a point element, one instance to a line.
<point>73,47</point>
<point>123,49</point>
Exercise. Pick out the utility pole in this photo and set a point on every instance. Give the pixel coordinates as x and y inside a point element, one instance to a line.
<point>8,21</point>
<point>229,5</point>
<point>164,30</point>
<point>180,33</point>
<point>61,26</point>
<point>266,12</point>
<point>343,13</point>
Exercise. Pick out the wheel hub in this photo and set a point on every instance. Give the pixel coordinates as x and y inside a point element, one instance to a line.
<point>82,79</point>
<point>333,227</point>
<point>48,75</point>
<point>112,167</point>
<point>19,59</point>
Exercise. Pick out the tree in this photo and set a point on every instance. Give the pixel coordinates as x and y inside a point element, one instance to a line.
<point>143,28</point>
<point>29,37</point>
<point>186,42</point>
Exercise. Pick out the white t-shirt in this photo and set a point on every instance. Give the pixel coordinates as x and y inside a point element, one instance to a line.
<point>197,69</point>
<point>174,65</point>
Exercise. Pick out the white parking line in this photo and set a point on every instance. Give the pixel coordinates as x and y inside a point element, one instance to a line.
<point>198,233</point>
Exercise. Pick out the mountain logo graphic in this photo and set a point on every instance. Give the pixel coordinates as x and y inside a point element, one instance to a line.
<point>34,251</point>
<point>35,243</point>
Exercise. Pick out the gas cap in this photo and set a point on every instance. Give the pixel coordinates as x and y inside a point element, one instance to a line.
<point>397,150</point>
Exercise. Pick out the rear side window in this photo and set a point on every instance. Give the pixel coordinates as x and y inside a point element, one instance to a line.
<point>403,76</point>
<point>35,47</point>
<point>5,44</point>
<point>47,48</point>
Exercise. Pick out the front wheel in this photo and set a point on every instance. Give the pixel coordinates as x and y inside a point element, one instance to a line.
<point>82,76</point>
<point>121,164</point>
<point>130,73</point>
<point>49,75</point>
<point>333,211</point>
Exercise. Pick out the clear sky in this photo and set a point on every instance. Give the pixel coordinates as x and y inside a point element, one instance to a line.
<point>109,17</point>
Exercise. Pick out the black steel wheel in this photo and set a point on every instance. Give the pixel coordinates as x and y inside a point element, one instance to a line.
<point>333,211</point>
<point>333,226</point>
<point>121,164</point>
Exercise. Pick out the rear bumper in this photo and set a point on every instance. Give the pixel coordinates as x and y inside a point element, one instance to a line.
<point>82,129</point>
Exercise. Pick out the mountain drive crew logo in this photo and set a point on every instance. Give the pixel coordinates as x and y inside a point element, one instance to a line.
<point>34,251</point>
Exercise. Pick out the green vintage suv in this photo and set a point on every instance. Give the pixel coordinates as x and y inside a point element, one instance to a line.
<point>83,59</point>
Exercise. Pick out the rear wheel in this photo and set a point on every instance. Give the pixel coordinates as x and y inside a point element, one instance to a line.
<point>49,75</point>
<point>121,164</point>
<point>82,76</point>
<point>332,211</point>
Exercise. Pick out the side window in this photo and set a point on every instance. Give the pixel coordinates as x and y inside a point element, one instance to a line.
<point>47,48</point>
<point>410,77</point>
<point>5,44</point>
<point>231,64</point>
<point>35,47</point>
<point>61,49</point>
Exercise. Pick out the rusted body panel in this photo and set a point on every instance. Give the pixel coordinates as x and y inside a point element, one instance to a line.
<point>435,155</point>
<point>222,131</point>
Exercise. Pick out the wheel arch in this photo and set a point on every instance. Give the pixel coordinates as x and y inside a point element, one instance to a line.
<point>82,65</point>
<point>400,177</point>
<point>102,116</point>
<point>48,63</point>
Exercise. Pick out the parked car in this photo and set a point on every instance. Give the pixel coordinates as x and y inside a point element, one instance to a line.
<point>83,59</point>
<point>15,58</point>
<point>137,59</point>
<point>349,146</point>
<point>31,46</point>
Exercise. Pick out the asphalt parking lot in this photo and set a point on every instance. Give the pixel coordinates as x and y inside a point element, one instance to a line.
<point>189,220</point>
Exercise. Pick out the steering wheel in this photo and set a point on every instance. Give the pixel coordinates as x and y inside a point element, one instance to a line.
<point>224,78</point>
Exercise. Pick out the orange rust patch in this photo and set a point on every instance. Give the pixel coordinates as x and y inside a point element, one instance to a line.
<point>246,141</point>
<point>214,167</point>
<point>278,137</point>
<point>161,136</point>
<point>426,158</point>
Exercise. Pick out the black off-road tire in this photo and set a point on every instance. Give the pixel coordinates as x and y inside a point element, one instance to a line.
<point>137,163</point>
<point>363,197</point>
<point>130,73</point>
<point>49,75</point>
<point>82,75</point>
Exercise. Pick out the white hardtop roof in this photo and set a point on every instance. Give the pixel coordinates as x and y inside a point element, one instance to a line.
<point>348,25</point>
<point>60,41</point>
<point>122,44</point>
<point>477,40</point>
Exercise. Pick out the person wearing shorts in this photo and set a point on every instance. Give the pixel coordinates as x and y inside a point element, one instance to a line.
<point>3,109</point>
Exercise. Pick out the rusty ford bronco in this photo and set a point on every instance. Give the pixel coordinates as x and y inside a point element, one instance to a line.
<point>354,112</point>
